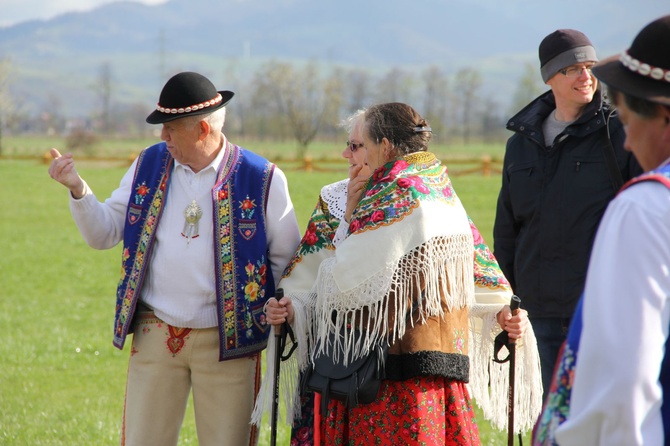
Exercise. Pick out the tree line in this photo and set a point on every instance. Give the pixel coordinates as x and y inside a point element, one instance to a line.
<point>290,101</point>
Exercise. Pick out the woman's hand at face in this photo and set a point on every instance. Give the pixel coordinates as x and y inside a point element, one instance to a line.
<point>358,176</point>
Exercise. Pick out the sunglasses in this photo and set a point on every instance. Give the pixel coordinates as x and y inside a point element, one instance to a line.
<point>354,146</point>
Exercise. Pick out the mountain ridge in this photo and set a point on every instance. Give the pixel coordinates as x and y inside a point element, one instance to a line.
<point>143,44</point>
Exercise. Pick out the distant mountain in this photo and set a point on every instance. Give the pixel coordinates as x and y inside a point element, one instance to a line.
<point>143,45</point>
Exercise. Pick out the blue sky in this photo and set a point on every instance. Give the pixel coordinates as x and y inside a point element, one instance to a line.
<point>15,11</point>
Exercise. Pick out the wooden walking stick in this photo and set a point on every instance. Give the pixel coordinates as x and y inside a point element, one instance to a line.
<point>511,346</point>
<point>501,340</point>
<point>279,351</point>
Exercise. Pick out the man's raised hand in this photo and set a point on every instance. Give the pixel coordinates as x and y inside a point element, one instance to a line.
<point>62,170</point>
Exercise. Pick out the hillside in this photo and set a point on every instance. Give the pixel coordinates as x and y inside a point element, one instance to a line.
<point>61,58</point>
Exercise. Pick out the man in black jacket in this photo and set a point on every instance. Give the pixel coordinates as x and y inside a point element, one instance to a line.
<point>562,166</point>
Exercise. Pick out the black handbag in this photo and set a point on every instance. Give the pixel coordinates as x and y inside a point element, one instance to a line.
<point>356,383</point>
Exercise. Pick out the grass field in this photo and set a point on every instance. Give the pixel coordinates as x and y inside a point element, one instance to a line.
<point>61,380</point>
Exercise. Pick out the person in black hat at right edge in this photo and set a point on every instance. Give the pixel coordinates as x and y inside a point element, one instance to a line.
<point>562,166</point>
<point>207,229</point>
<point>613,376</point>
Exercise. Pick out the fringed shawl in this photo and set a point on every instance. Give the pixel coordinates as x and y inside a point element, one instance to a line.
<point>409,211</point>
<point>489,381</point>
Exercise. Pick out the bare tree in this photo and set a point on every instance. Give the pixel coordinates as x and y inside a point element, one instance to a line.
<point>5,99</point>
<point>302,98</point>
<point>52,119</point>
<point>529,87</point>
<point>358,90</point>
<point>435,100</point>
<point>395,86</point>
<point>103,88</point>
<point>466,88</point>
<point>493,125</point>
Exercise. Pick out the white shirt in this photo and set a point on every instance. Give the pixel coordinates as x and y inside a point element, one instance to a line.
<point>180,284</point>
<point>617,397</point>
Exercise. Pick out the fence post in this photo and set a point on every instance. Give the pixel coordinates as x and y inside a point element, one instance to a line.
<point>486,165</point>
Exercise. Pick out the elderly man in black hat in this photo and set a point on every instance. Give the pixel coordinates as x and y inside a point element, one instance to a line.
<point>207,230</point>
<point>562,166</point>
<point>614,375</point>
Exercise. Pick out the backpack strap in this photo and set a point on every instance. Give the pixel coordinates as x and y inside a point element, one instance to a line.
<point>610,158</point>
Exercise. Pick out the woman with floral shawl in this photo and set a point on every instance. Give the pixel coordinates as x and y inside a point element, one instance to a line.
<point>404,276</point>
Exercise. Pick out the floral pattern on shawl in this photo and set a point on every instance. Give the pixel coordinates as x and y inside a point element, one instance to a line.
<point>319,235</point>
<point>418,176</point>
<point>487,270</point>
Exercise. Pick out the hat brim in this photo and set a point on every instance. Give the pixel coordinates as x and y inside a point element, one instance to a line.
<point>159,117</point>
<point>612,72</point>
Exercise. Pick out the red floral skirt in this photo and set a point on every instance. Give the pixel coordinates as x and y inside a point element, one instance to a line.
<point>419,411</point>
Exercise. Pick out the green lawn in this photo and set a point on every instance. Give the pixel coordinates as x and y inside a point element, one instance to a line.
<point>61,380</point>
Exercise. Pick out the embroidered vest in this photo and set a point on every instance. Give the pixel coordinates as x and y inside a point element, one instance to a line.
<point>557,406</point>
<point>243,275</point>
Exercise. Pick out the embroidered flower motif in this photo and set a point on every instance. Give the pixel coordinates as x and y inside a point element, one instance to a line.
<point>223,194</point>
<point>141,191</point>
<point>228,306</point>
<point>229,324</point>
<point>557,406</point>
<point>251,291</point>
<point>415,182</point>
<point>311,238</point>
<point>398,166</point>
<point>377,216</point>
<point>459,341</point>
<point>247,206</point>
<point>478,239</point>
<point>262,273</point>
<point>256,277</point>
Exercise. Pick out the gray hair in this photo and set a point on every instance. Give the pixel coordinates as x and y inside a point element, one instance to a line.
<point>350,121</point>
<point>215,119</point>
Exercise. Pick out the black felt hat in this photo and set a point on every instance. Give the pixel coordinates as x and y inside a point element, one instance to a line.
<point>188,94</point>
<point>643,71</point>
<point>562,48</point>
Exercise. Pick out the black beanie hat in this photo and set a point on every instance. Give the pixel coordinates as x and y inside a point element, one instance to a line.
<point>562,48</point>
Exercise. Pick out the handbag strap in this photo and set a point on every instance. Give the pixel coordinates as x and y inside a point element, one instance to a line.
<point>610,158</point>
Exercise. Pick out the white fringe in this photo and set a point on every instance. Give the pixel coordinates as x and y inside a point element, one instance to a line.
<point>489,380</point>
<point>443,265</point>
<point>289,379</point>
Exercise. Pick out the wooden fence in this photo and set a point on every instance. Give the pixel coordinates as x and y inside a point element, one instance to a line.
<point>484,165</point>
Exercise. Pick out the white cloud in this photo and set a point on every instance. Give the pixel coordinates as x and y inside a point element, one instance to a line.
<point>16,11</point>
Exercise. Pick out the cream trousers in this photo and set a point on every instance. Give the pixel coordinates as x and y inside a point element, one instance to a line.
<point>166,363</point>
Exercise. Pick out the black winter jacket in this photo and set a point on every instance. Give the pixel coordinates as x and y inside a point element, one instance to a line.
<point>552,200</point>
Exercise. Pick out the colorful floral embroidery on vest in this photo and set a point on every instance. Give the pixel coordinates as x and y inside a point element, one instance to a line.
<point>243,284</point>
<point>557,406</point>
<point>141,191</point>
<point>661,175</point>
<point>138,264</point>
<point>256,277</point>
<point>247,206</point>
<point>227,265</point>
<point>246,225</point>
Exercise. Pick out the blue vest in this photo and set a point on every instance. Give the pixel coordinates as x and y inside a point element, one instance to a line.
<point>244,278</point>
